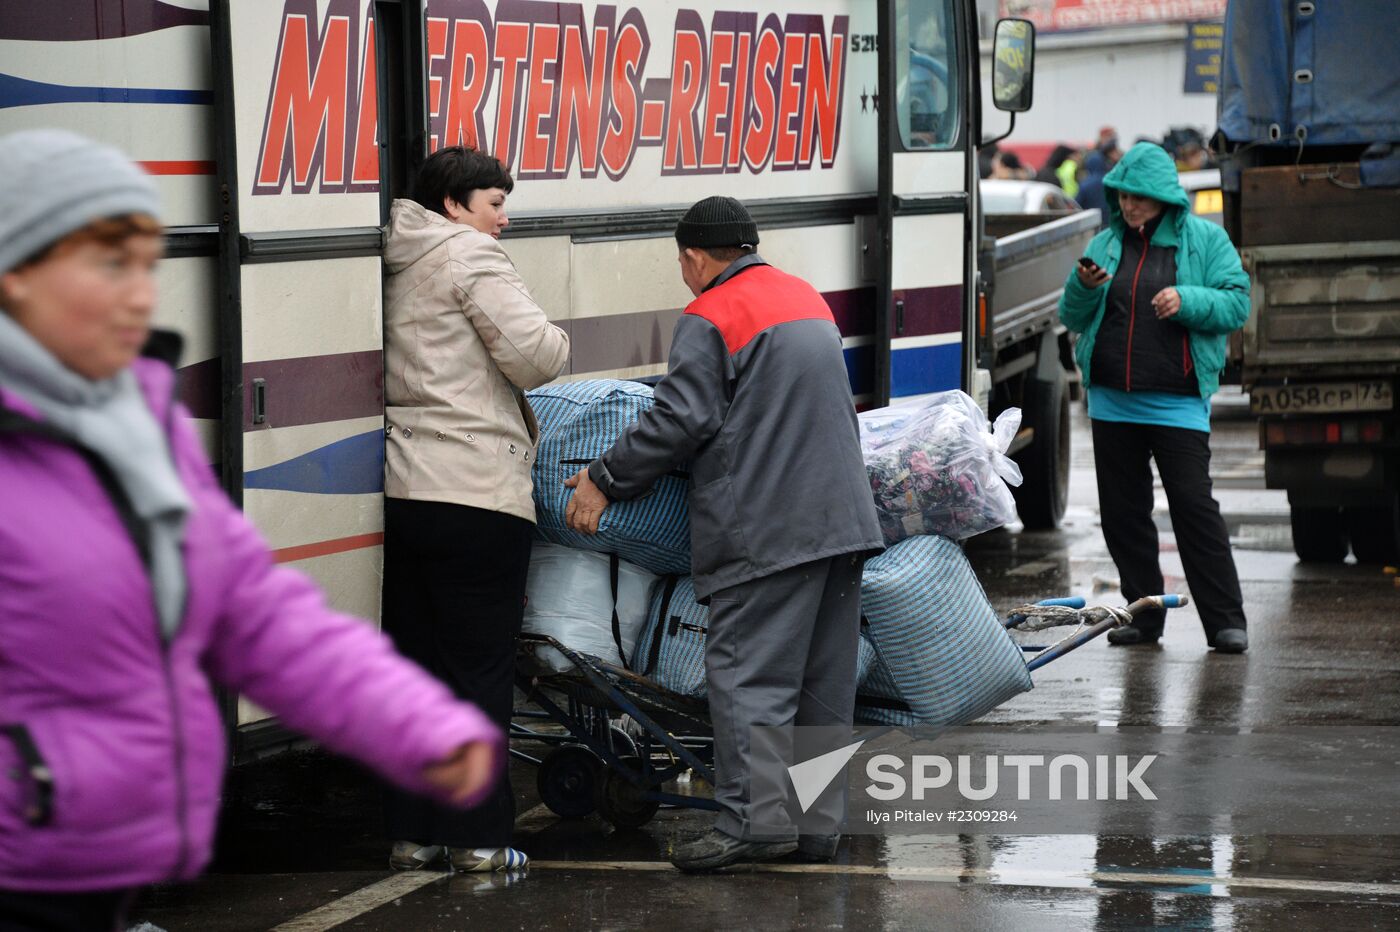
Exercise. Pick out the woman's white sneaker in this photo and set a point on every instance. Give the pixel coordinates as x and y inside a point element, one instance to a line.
<point>411,856</point>
<point>487,859</point>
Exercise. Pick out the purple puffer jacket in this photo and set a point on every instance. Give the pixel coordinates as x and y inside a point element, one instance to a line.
<point>126,723</point>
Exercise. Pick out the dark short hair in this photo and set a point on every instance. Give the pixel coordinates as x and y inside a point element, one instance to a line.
<point>455,172</point>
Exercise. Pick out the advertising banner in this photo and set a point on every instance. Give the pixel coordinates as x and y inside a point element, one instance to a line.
<point>1066,15</point>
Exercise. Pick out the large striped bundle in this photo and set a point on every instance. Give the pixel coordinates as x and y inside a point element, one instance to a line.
<point>942,649</point>
<point>877,696</point>
<point>671,649</point>
<point>578,422</point>
<point>572,596</point>
<point>865,659</point>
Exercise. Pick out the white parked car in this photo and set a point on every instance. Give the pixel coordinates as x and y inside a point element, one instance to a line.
<point>1203,188</point>
<point>1008,196</point>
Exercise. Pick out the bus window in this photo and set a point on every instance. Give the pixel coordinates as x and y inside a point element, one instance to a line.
<point>926,74</point>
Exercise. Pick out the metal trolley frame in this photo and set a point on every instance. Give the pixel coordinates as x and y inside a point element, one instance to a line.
<point>624,737</point>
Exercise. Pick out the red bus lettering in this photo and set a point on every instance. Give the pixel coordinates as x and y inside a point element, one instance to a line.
<point>821,101</point>
<point>307,110</point>
<point>581,97</point>
<point>717,100</point>
<point>687,80</point>
<point>512,47</point>
<point>366,170</point>
<point>436,51</point>
<point>758,144</point>
<point>789,100</point>
<point>738,110</point>
<point>466,94</point>
<point>539,100</point>
<point>620,141</point>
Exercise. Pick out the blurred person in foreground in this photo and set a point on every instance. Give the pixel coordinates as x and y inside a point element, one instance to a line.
<point>757,401</point>
<point>1154,300</point>
<point>130,585</point>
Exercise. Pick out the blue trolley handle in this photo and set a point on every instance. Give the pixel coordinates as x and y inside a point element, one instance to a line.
<point>1088,634</point>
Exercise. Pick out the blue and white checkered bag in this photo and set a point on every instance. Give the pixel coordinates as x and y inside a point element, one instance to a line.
<point>941,648</point>
<point>671,648</point>
<point>579,422</point>
<point>865,659</point>
<point>877,696</point>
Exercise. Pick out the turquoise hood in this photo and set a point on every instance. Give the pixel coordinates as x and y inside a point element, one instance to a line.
<point>1214,288</point>
<point>1146,171</point>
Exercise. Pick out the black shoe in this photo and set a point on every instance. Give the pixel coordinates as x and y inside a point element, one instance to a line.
<point>716,849</point>
<point>1230,641</point>
<point>1128,635</point>
<point>816,849</point>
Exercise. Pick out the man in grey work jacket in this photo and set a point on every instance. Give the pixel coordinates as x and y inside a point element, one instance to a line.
<point>757,402</point>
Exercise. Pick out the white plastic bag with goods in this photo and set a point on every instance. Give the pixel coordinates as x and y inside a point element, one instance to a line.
<point>938,467</point>
<point>570,598</point>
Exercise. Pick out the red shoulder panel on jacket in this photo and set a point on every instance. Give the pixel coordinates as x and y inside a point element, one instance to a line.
<point>755,300</point>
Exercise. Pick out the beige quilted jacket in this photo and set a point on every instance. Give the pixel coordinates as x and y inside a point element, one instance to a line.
<point>463,340</point>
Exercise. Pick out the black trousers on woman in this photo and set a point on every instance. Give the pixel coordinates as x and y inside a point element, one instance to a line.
<point>101,911</point>
<point>454,597</point>
<point>1123,456</point>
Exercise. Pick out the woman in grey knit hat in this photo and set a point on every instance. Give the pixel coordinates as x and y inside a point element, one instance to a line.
<point>129,584</point>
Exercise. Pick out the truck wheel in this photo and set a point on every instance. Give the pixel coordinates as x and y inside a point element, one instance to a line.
<point>1375,531</point>
<point>1044,489</point>
<point>1319,534</point>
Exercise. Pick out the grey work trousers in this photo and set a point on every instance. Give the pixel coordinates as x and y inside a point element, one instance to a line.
<point>781,651</point>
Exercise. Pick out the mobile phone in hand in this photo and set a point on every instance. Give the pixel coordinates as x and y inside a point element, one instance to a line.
<point>1089,265</point>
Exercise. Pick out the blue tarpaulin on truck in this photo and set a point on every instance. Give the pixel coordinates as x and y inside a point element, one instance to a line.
<point>1330,71</point>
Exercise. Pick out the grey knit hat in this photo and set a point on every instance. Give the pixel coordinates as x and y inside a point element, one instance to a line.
<point>716,222</point>
<point>53,182</point>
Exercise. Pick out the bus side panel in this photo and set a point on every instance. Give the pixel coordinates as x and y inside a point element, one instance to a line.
<point>927,330</point>
<point>147,93</point>
<point>627,295</point>
<point>186,288</point>
<point>927,270</point>
<point>312,326</point>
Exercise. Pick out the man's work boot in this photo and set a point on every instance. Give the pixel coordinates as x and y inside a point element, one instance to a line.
<point>816,849</point>
<point>716,849</point>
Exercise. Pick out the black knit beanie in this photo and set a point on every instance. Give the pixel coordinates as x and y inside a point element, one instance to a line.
<point>716,222</point>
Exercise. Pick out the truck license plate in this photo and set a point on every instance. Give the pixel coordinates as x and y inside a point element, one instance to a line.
<point>1323,398</point>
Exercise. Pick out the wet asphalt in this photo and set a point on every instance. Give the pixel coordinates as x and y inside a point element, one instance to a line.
<point>301,847</point>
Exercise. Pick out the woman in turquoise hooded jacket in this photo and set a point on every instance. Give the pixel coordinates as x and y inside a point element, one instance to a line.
<point>1153,313</point>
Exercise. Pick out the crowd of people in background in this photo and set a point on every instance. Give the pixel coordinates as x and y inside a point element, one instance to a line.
<point>1080,170</point>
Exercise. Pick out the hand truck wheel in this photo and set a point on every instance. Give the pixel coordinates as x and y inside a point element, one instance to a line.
<point>619,801</point>
<point>567,780</point>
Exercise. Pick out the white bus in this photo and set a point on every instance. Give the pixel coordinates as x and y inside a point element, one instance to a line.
<point>279,130</point>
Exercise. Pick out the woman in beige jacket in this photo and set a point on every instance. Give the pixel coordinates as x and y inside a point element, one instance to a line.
<point>463,340</point>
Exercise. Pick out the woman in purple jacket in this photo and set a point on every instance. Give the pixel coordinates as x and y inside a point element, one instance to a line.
<point>129,584</point>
